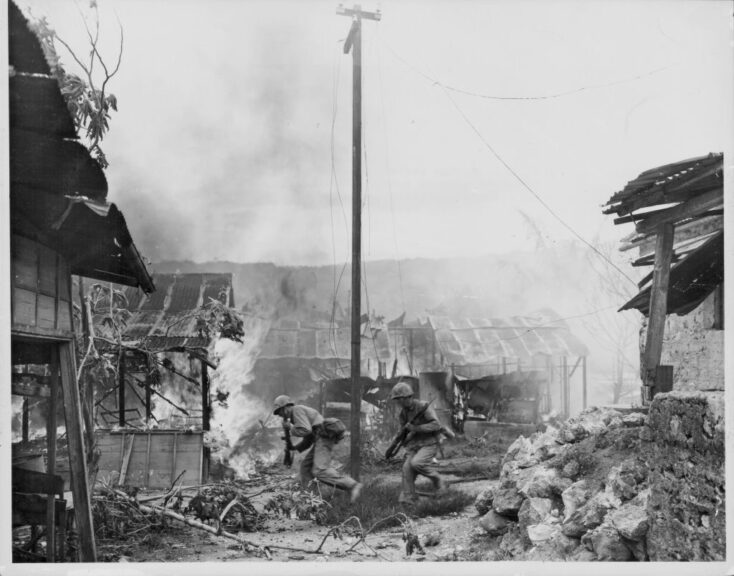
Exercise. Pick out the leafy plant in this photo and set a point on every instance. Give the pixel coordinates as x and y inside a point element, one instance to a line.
<point>86,98</point>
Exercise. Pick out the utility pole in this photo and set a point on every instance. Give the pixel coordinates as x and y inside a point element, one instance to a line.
<point>354,43</point>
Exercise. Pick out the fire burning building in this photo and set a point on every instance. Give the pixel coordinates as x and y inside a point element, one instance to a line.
<point>154,416</point>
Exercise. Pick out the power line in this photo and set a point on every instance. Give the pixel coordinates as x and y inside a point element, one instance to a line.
<point>540,97</point>
<point>535,194</point>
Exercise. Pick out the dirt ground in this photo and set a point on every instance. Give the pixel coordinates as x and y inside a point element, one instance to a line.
<point>468,466</point>
<point>187,544</point>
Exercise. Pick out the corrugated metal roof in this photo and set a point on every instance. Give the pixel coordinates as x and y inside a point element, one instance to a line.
<point>167,318</point>
<point>690,195</point>
<point>479,341</point>
<point>290,338</point>
<point>672,183</point>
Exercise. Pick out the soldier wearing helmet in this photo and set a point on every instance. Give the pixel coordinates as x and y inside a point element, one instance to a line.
<point>421,442</point>
<point>305,422</point>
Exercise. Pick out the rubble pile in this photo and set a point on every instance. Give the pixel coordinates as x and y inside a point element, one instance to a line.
<point>608,485</point>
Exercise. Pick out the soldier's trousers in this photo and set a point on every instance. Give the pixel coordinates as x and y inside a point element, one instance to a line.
<point>317,464</point>
<point>418,461</point>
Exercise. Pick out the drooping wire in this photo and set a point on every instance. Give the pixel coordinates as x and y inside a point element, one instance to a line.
<point>534,193</point>
<point>540,97</point>
<point>511,170</point>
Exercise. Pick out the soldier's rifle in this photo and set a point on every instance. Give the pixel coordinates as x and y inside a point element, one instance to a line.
<point>402,436</point>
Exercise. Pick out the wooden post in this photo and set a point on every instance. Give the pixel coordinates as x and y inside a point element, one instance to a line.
<point>583,375</point>
<point>173,458</point>
<point>24,421</point>
<point>121,389</point>
<point>658,307</point>
<point>354,42</point>
<point>205,400</point>
<point>147,462</point>
<point>77,461</point>
<point>147,391</point>
<point>51,456</point>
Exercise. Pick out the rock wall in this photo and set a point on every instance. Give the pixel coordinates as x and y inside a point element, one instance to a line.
<point>694,348</point>
<point>617,486</point>
<point>687,483</point>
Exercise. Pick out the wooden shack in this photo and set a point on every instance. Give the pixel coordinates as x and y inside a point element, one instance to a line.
<point>138,445</point>
<point>61,225</point>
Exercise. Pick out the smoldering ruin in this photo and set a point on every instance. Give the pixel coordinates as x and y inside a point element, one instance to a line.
<point>568,400</point>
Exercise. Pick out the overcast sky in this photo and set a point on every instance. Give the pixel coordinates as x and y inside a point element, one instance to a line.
<point>222,147</point>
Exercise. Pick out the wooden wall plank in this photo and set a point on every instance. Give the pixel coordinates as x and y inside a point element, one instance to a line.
<point>24,307</point>
<point>46,307</point>
<point>47,271</point>
<point>77,454</point>
<point>25,262</point>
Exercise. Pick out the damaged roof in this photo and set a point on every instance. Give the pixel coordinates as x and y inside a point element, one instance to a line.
<point>167,319</point>
<point>58,191</point>
<point>480,341</point>
<point>288,338</point>
<point>690,195</point>
<point>691,280</point>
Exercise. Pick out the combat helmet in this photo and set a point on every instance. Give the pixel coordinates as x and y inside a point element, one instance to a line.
<point>401,390</point>
<point>281,402</point>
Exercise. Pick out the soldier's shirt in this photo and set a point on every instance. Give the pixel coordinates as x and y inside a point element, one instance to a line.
<point>428,421</point>
<point>304,419</point>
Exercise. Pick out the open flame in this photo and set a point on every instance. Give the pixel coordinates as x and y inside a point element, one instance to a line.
<point>244,412</point>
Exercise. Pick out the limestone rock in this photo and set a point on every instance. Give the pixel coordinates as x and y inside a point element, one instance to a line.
<point>494,524</point>
<point>542,532</point>
<point>483,501</point>
<point>507,501</point>
<point>574,497</point>
<point>571,469</point>
<point>626,480</point>
<point>630,520</point>
<point>511,543</point>
<point>634,419</point>
<point>615,423</point>
<point>608,544</point>
<point>534,511</point>
<point>588,517</point>
<point>582,554</point>
<point>540,484</point>
<point>518,450</point>
<point>646,434</point>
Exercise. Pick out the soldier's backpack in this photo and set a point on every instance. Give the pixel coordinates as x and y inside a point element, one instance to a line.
<point>334,429</point>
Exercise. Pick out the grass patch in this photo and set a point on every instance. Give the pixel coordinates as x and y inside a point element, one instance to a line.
<point>380,500</point>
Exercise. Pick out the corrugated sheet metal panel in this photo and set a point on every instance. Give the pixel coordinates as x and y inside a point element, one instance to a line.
<point>218,288</point>
<point>167,318</point>
<point>486,341</point>
<point>156,300</point>
<point>660,185</point>
<point>290,340</point>
<point>186,293</point>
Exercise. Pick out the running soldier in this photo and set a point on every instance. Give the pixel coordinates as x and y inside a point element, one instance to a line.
<point>421,444</point>
<point>305,422</point>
